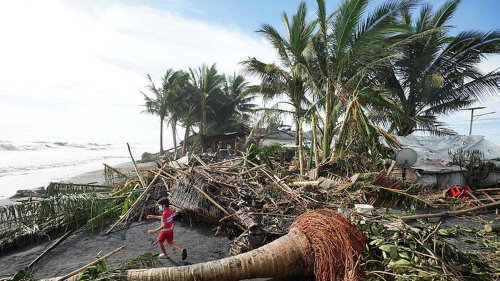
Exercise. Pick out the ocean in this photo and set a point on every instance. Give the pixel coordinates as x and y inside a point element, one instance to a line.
<point>27,165</point>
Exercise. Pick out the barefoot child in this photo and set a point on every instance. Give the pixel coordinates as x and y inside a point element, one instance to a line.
<point>166,228</point>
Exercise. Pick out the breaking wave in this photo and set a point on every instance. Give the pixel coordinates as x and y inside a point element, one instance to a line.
<point>40,145</point>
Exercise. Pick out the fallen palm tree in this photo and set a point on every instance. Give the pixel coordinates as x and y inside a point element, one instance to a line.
<point>320,242</point>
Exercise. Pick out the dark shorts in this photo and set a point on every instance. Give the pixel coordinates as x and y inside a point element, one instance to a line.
<point>166,236</point>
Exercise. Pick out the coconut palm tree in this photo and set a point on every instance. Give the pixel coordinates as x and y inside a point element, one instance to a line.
<point>239,98</point>
<point>175,87</point>
<point>287,78</point>
<point>347,46</point>
<point>207,83</point>
<point>234,105</point>
<point>157,103</point>
<point>437,73</point>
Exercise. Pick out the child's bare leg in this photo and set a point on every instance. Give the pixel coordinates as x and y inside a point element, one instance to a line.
<point>177,247</point>
<point>162,247</point>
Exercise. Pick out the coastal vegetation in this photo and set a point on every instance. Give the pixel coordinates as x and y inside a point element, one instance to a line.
<point>353,75</point>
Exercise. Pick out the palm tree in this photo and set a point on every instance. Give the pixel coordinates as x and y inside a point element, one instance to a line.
<point>175,87</point>
<point>156,104</point>
<point>436,74</point>
<point>346,48</point>
<point>207,83</point>
<point>287,78</point>
<point>234,105</point>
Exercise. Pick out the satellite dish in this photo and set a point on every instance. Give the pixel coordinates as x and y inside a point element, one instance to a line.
<point>406,157</point>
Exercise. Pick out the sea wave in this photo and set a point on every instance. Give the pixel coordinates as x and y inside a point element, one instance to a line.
<point>15,169</point>
<point>39,145</point>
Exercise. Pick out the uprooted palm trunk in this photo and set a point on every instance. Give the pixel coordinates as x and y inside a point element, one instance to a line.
<point>320,242</point>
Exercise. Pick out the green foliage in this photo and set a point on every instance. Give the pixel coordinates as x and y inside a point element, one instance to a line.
<point>477,168</point>
<point>22,275</point>
<point>416,252</point>
<point>61,188</point>
<point>93,272</point>
<point>38,217</point>
<point>103,271</point>
<point>435,72</point>
<point>262,154</point>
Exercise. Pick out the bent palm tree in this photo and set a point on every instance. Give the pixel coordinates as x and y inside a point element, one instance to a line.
<point>288,77</point>
<point>438,73</point>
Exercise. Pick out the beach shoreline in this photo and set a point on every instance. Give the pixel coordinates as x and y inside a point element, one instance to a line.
<point>92,177</point>
<point>83,247</point>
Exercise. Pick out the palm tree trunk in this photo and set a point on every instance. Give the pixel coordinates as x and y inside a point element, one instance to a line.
<point>173,123</point>
<point>186,136</point>
<point>315,140</point>
<point>327,122</point>
<point>202,126</point>
<point>288,256</point>
<point>161,134</point>
<point>299,121</point>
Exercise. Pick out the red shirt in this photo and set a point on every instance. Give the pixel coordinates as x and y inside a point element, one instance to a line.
<point>167,220</point>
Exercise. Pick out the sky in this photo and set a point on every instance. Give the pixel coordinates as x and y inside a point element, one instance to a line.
<point>73,70</point>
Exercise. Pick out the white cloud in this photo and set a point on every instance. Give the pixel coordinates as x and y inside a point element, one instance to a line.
<point>73,70</point>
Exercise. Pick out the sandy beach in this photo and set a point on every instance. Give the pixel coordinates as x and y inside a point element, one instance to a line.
<point>96,176</point>
<point>83,247</point>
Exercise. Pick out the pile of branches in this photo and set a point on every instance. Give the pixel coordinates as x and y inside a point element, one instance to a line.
<point>254,205</point>
<point>400,251</point>
<point>243,199</point>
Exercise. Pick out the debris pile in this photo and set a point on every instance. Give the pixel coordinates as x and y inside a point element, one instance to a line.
<point>256,203</point>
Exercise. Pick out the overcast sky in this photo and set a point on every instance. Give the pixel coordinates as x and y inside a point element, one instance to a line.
<point>73,70</point>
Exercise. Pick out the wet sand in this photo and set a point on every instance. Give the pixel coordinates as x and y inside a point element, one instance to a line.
<point>82,248</point>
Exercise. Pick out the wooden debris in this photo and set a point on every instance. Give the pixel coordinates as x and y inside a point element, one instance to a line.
<point>83,268</point>
<point>450,213</point>
<point>50,248</point>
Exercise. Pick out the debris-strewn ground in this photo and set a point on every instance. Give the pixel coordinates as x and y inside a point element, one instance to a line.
<point>83,248</point>
<point>253,203</point>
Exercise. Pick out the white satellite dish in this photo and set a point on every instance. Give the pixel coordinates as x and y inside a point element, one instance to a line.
<point>405,158</point>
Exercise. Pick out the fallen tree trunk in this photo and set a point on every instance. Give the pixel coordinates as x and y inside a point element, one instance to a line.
<point>320,242</point>
<point>452,213</point>
<point>296,258</point>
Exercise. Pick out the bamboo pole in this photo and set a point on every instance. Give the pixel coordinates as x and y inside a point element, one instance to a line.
<point>212,200</point>
<point>50,248</point>
<point>135,166</point>
<point>400,192</point>
<point>451,213</point>
<point>115,170</point>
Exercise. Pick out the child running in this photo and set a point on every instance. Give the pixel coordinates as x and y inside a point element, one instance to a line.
<point>166,229</point>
